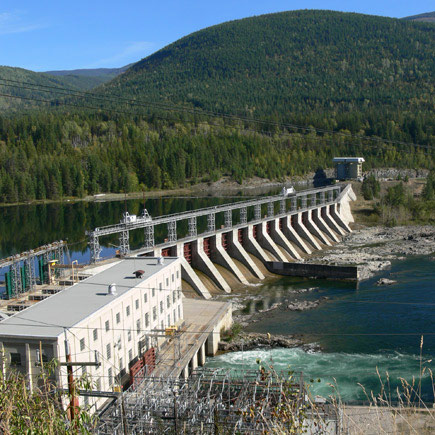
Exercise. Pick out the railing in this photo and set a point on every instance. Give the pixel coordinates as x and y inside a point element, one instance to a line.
<point>317,197</point>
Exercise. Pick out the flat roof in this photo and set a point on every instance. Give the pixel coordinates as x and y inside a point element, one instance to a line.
<point>47,318</point>
<point>348,160</point>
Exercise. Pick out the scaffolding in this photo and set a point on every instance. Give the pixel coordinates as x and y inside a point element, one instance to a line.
<point>22,275</point>
<point>210,401</point>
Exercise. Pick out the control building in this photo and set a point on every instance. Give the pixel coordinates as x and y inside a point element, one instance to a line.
<point>112,319</point>
<point>348,167</point>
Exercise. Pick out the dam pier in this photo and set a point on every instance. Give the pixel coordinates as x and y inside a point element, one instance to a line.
<point>260,232</point>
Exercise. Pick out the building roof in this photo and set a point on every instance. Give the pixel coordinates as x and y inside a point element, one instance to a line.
<point>348,160</point>
<point>67,308</point>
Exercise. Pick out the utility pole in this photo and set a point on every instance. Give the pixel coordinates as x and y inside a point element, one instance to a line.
<point>71,386</point>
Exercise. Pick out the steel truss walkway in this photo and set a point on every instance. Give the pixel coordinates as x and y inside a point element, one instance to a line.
<point>300,201</point>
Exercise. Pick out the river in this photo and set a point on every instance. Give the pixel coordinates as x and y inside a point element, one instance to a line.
<point>357,329</point>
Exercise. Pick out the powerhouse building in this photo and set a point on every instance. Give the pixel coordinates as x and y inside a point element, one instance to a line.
<point>113,318</point>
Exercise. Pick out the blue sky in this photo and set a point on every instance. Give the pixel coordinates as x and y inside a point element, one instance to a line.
<point>45,35</point>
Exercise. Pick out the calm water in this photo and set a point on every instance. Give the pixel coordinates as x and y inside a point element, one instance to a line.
<point>357,330</point>
<point>29,226</point>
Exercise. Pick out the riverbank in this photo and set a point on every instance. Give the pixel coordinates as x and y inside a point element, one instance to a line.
<point>373,249</point>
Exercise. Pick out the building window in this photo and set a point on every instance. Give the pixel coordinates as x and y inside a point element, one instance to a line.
<point>162,326</point>
<point>179,294</point>
<point>168,301</point>
<point>178,275</point>
<point>161,307</point>
<point>108,352</point>
<point>82,344</point>
<point>130,355</point>
<point>129,335</point>
<point>98,384</point>
<point>95,334</point>
<point>110,376</point>
<point>179,312</point>
<point>147,320</point>
<point>118,318</point>
<point>169,319</point>
<point>137,304</point>
<point>107,325</point>
<point>128,310</point>
<point>175,315</point>
<point>172,277</point>
<point>138,326</point>
<point>160,286</point>
<point>145,298</point>
<point>167,282</point>
<point>15,359</point>
<point>154,313</point>
<point>121,365</point>
<point>174,297</point>
<point>153,291</point>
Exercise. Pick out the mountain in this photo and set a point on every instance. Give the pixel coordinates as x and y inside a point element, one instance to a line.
<point>428,17</point>
<point>291,64</point>
<point>21,75</point>
<point>372,77</point>
<point>96,72</point>
<point>76,80</point>
<point>87,79</point>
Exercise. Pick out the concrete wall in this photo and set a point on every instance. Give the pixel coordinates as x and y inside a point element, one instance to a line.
<point>313,270</point>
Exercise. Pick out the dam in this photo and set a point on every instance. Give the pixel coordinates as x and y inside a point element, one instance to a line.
<point>277,228</point>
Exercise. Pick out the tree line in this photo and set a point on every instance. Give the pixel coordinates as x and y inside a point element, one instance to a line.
<point>57,155</point>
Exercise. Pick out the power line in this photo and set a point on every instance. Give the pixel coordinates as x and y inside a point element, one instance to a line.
<point>144,331</point>
<point>173,108</point>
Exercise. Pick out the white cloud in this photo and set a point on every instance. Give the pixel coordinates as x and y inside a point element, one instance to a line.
<point>12,22</point>
<point>133,52</point>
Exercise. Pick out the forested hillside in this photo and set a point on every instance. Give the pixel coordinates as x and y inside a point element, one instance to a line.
<point>360,76</point>
<point>312,67</point>
<point>59,79</point>
<point>51,156</point>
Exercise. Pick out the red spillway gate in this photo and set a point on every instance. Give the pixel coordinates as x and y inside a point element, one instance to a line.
<point>254,231</point>
<point>269,227</point>
<point>166,252</point>
<point>225,241</point>
<point>206,246</point>
<point>240,235</point>
<point>187,252</point>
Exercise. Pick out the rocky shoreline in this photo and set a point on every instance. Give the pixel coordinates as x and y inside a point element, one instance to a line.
<point>373,249</point>
<point>250,341</point>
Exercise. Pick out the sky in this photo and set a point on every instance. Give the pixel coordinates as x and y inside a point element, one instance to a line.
<point>51,35</point>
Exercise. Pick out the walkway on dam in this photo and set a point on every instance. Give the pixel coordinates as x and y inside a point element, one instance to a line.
<point>198,337</point>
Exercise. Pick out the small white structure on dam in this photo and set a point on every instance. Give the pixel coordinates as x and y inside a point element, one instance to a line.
<point>348,168</point>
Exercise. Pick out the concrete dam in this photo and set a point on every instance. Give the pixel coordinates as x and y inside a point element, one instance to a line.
<point>272,233</point>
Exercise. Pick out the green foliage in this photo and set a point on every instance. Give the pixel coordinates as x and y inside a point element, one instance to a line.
<point>371,187</point>
<point>429,188</point>
<point>69,81</point>
<point>396,195</point>
<point>53,156</point>
<point>38,411</point>
<point>350,73</point>
<point>342,71</point>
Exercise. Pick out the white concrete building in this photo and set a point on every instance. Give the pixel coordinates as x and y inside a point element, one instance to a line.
<point>117,324</point>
